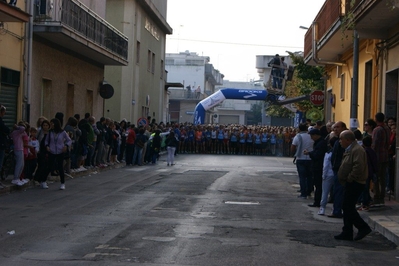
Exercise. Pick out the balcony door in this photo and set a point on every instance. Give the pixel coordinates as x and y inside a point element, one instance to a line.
<point>391,93</point>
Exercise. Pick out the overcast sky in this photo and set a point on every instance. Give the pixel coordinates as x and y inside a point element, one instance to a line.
<point>233,32</point>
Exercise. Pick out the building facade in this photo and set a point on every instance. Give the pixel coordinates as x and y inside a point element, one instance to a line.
<point>361,59</point>
<point>198,78</point>
<point>71,45</point>
<point>13,24</point>
<point>140,89</point>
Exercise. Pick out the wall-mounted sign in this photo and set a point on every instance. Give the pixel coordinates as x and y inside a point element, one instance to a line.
<point>152,29</point>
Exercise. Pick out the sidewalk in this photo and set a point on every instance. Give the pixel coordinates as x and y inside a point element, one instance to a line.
<point>385,220</point>
<point>9,188</point>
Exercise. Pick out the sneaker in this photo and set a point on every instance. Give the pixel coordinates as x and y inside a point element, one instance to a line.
<point>44,185</point>
<point>321,211</point>
<point>167,164</point>
<point>25,181</point>
<point>17,182</point>
<point>62,187</point>
<point>82,168</point>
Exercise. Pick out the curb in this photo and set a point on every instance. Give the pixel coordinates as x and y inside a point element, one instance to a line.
<point>388,226</point>
<point>10,188</point>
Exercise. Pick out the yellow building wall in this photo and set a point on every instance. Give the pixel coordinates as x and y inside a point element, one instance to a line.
<point>11,53</point>
<point>342,109</point>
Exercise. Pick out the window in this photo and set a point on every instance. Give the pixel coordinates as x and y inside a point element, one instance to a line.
<point>153,63</point>
<point>46,104</point>
<point>137,52</point>
<point>145,111</point>
<point>70,100</point>
<point>149,54</point>
<point>342,92</point>
<point>162,69</point>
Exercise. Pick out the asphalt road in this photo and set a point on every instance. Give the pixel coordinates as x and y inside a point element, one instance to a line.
<point>205,210</point>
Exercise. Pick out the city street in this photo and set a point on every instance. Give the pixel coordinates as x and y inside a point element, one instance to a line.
<point>205,210</point>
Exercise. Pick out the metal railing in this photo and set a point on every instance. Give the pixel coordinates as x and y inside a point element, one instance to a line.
<point>81,19</point>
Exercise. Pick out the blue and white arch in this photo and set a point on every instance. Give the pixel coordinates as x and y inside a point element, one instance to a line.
<point>223,94</point>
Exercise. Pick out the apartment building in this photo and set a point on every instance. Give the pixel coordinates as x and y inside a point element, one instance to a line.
<point>358,43</point>
<point>13,23</point>
<point>140,87</point>
<point>198,78</point>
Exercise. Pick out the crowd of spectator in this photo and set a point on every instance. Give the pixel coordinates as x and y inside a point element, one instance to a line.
<point>60,146</point>
<point>356,169</point>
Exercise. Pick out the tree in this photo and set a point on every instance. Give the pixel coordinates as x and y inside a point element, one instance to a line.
<point>256,110</point>
<point>306,80</point>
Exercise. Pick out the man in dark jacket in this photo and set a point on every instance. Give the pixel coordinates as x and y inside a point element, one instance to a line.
<point>4,131</point>
<point>336,159</point>
<point>317,156</point>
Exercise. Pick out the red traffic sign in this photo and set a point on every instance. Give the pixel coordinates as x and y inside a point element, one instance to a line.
<point>317,98</point>
<point>142,121</point>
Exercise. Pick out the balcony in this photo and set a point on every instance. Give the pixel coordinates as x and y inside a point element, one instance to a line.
<point>373,19</point>
<point>212,75</point>
<point>10,13</point>
<point>184,94</point>
<point>73,26</point>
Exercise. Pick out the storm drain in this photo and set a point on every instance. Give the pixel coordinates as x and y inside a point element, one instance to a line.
<point>243,202</point>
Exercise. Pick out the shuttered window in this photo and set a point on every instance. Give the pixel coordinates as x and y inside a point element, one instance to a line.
<point>10,81</point>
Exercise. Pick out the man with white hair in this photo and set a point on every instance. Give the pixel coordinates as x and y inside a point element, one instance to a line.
<point>352,175</point>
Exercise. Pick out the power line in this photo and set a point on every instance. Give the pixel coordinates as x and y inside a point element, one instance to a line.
<point>233,43</point>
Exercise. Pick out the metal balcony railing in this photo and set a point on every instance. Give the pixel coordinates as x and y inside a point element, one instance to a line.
<point>79,18</point>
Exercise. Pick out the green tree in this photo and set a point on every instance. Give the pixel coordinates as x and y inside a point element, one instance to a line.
<point>306,79</point>
<point>256,110</point>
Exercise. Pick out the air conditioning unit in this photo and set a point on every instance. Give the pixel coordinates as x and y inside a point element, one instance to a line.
<point>215,118</point>
<point>44,9</point>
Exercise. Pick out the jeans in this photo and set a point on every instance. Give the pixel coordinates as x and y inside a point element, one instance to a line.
<point>138,152</point>
<point>100,152</point>
<point>305,176</point>
<point>338,196</point>
<point>155,155</point>
<point>328,183</point>
<point>352,218</point>
<point>317,182</point>
<point>90,154</point>
<point>19,164</point>
<point>171,154</point>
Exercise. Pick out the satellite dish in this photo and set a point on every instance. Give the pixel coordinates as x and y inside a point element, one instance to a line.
<point>106,91</point>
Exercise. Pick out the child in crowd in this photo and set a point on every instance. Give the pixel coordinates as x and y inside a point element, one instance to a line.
<point>31,158</point>
<point>328,178</point>
<point>17,137</point>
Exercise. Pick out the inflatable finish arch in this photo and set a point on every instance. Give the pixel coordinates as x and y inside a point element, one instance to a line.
<point>223,94</point>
